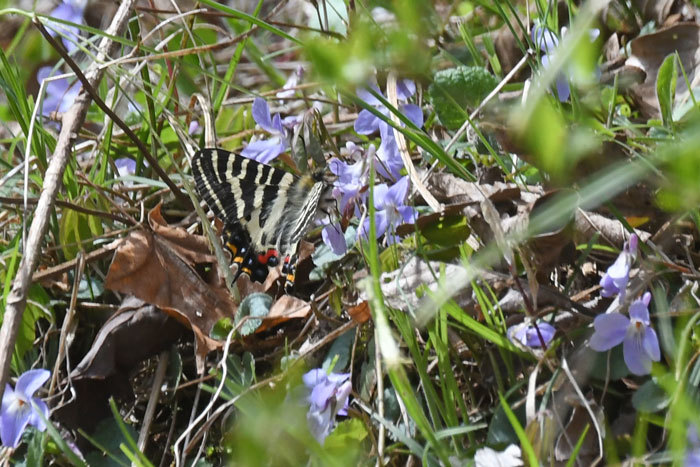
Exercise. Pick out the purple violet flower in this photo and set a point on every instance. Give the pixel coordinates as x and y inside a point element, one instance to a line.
<point>68,10</point>
<point>59,93</point>
<point>615,279</point>
<point>328,397</point>
<point>350,189</point>
<point>390,210</point>
<point>125,166</point>
<point>194,128</point>
<point>390,162</point>
<point>353,178</point>
<point>640,345</point>
<point>692,455</point>
<point>266,150</point>
<point>288,90</point>
<point>332,235</point>
<point>547,41</point>
<point>20,408</point>
<point>526,334</point>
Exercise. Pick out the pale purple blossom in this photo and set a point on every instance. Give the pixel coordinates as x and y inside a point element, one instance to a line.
<point>692,455</point>
<point>266,150</point>
<point>526,334</point>
<point>332,235</point>
<point>20,408</point>
<point>615,279</point>
<point>68,10</point>
<point>328,395</point>
<point>547,41</point>
<point>125,166</point>
<point>194,128</point>
<point>59,95</point>
<point>640,345</point>
<point>288,90</point>
<point>350,189</point>
<point>353,177</point>
<point>390,210</point>
<point>367,123</point>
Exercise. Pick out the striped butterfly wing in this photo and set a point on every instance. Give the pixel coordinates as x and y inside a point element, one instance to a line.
<point>265,210</point>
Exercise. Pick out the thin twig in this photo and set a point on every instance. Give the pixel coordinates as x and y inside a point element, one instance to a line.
<point>153,399</point>
<point>68,328</point>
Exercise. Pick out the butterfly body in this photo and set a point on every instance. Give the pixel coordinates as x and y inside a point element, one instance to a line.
<point>266,211</point>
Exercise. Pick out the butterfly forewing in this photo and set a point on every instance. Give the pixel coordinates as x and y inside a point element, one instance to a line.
<point>265,210</point>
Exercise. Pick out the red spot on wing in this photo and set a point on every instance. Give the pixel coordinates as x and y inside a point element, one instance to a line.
<point>265,258</point>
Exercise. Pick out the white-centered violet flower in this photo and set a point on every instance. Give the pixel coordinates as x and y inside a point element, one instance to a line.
<point>388,156</point>
<point>617,276</point>
<point>640,345</point>
<point>20,408</point>
<point>266,150</point>
<point>328,397</point>
<point>391,210</point>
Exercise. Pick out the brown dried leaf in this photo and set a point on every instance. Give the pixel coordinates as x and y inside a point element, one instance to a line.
<point>654,10</point>
<point>159,271</point>
<point>135,332</point>
<point>649,51</point>
<point>284,309</point>
<point>360,312</point>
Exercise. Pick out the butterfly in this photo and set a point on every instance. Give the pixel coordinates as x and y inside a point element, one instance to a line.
<point>265,210</point>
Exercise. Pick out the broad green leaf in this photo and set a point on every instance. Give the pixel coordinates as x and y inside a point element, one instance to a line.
<point>456,90</point>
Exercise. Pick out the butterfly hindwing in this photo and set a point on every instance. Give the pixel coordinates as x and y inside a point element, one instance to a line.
<point>265,210</point>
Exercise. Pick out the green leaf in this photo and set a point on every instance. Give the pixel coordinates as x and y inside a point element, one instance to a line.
<point>35,448</point>
<point>666,88</point>
<point>255,305</point>
<point>618,368</point>
<point>77,229</point>
<point>456,89</point>
<point>221,328</point>
<point>339,353</point>
<point>323,256</point>
<point>650,397</point>
<point>448,231</point>
<point>501,430</point>
<point>344,441</point>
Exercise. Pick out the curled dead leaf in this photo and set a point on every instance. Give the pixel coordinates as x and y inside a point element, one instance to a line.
<point>157,267</point>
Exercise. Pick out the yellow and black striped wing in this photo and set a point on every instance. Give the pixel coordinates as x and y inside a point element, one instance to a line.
<point>265,210</point>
